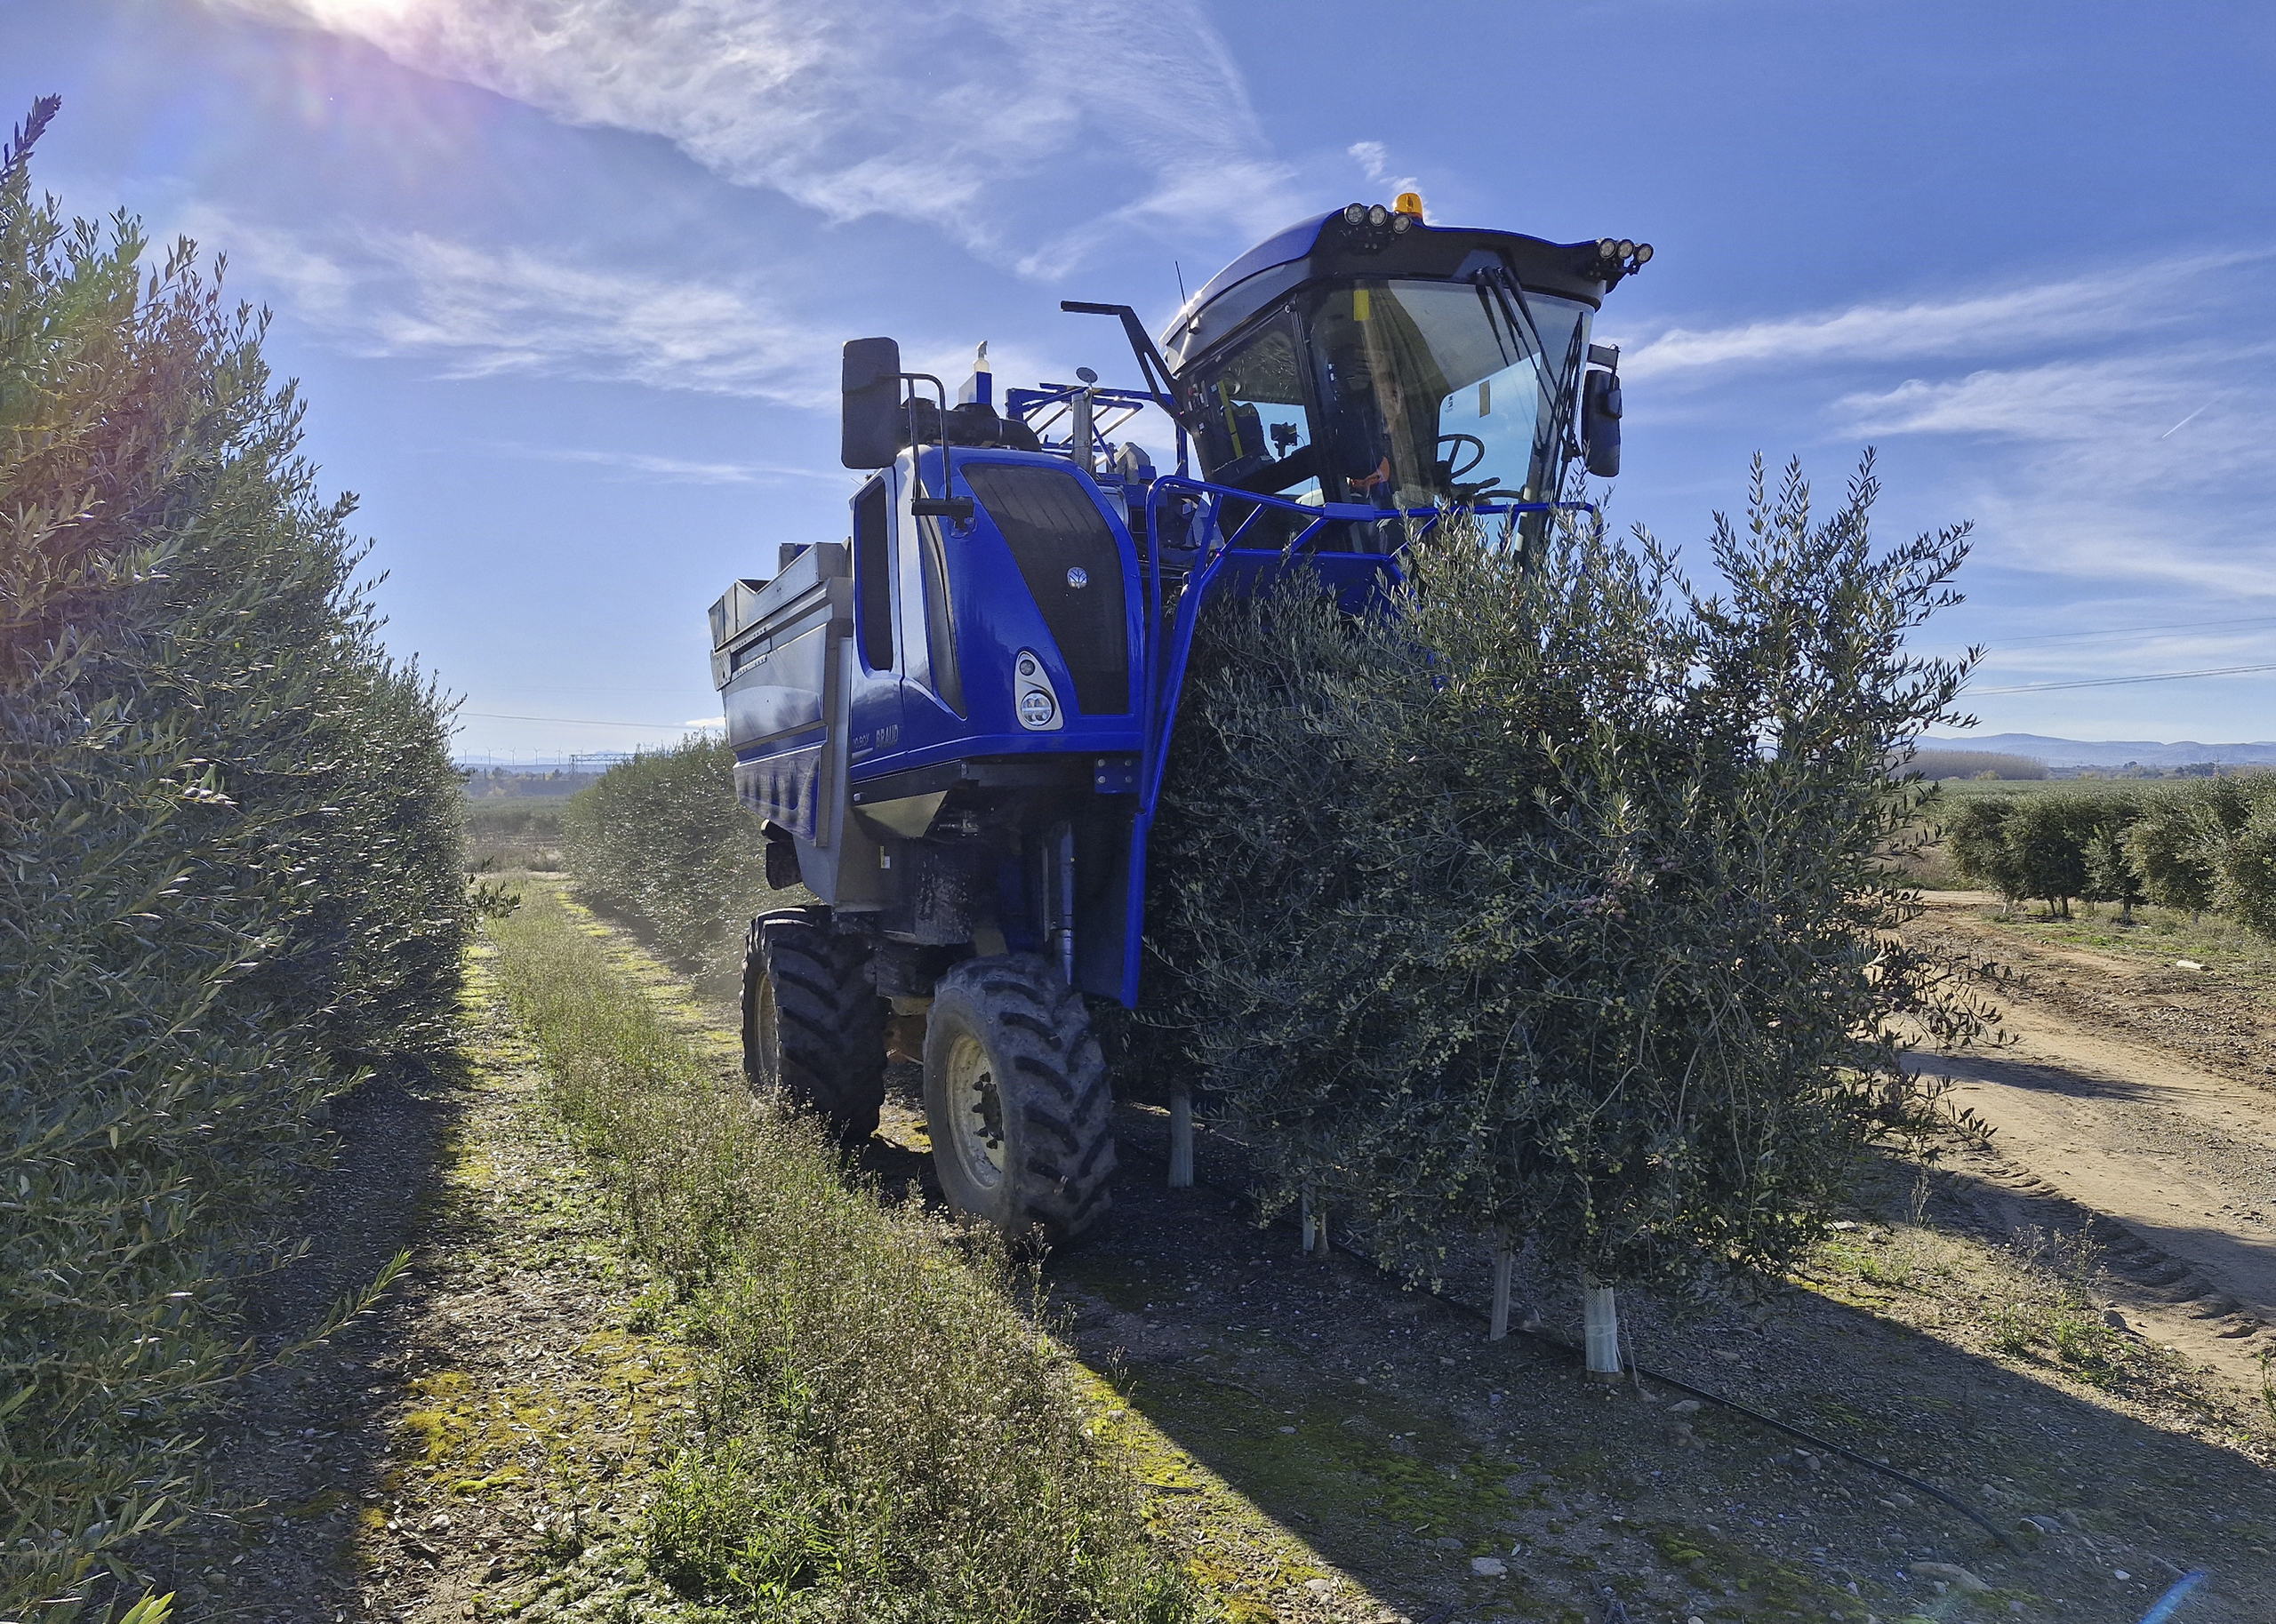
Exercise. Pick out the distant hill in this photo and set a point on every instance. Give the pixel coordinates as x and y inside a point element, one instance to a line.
<point>2112,752</point>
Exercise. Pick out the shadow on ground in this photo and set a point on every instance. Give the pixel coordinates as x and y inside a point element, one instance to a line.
<point>296,1451</point>
<point>1395,1447</point>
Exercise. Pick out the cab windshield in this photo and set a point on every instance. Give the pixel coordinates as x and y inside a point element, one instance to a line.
<point>1397,393</point>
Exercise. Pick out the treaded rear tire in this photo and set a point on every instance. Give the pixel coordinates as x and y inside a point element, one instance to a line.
<point>1040,1152</point>
<point>814,1028</point>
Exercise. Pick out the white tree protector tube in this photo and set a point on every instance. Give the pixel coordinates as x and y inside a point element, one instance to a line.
<point>1504,1261</point>
<point>1599,1326</point>
<point>1181,1138</point>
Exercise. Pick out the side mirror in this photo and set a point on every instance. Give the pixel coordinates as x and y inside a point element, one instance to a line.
<point>869,429</point>
<point>1600,423</point>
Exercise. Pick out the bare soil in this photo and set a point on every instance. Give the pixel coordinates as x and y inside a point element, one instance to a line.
<point>1381,1431</point>
<point>1319,1443</point>
<point>2136,1092</point>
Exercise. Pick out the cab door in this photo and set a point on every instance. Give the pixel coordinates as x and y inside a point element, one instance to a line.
<point>879,663</point>
<point>932,693</point>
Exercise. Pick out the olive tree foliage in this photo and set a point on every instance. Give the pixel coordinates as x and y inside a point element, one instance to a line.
<point>662,837</point>
<point>2244,885</point>
<point>2054,846</point>
<point>2111,876</point>
<point>1550,899</point>
<point>232,877</point>
<point>2205,843</point>
<point>1977,835</point>
<point>2172,849</point>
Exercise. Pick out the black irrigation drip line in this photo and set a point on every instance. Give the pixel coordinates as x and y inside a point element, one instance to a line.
<point>1870,1464</point>
<point>1649,1374</point>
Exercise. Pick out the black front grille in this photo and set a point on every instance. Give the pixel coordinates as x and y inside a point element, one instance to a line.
<point>1053,528</point>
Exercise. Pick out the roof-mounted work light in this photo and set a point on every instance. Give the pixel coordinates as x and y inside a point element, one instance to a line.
<point>1618,258</point>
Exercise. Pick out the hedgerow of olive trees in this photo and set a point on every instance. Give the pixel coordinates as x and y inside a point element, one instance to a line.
<point>1978,836</point>
<point>2206,842</point>
<point>233,874</point>
<point>662,836</point>
<point>1549,900</point>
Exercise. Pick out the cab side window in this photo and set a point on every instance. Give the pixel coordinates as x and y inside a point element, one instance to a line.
<point>939,617</point>
<point>873,576</point>
<point>1256,427</point>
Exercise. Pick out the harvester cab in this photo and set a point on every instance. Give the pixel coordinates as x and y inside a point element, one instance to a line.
<point>953,723</point>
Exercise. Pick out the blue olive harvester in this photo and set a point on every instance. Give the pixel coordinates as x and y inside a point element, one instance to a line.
<point>953,724</point>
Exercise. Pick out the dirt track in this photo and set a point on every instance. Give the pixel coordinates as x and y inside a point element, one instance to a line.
<point>2136,1090</point>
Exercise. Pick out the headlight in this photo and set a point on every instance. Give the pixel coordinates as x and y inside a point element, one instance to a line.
<point>1036,708</point>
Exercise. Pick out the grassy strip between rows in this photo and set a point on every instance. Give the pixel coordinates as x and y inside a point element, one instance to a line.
<point>879,1431</point>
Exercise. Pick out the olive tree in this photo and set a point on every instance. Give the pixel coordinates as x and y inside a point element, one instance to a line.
<point>2110,874</point>
<point>1977,835</point>
<point>2049,836</point>
<point>1548,899</point>
<point>2245,882</point>
<point>2179,843</point>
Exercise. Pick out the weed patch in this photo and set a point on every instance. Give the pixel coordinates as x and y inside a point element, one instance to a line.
<point>879,1427</point>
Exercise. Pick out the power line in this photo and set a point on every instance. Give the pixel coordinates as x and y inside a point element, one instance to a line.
<point>2113,682</point>
<point>2133,631</point>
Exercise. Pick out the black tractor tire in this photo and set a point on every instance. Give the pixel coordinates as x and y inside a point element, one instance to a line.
<point>1016,1098</point>
<point>814,1027</point>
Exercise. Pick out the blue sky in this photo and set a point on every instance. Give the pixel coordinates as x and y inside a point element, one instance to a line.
<point>566,279</point>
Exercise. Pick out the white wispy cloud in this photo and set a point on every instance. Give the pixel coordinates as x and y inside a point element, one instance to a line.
<point>2091,520</point>
<point>478,311</point>
<point>2107,429</point>
<point>2131,301</point>
<point>2162,418</point>
<point>2128,397</point>
<point>1374,159</point>
<point>677,470</point>
<point>948,114</point>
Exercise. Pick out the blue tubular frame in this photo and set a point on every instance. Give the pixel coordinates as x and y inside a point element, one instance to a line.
<point>1162,669</point>
<point>1022,404</point>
